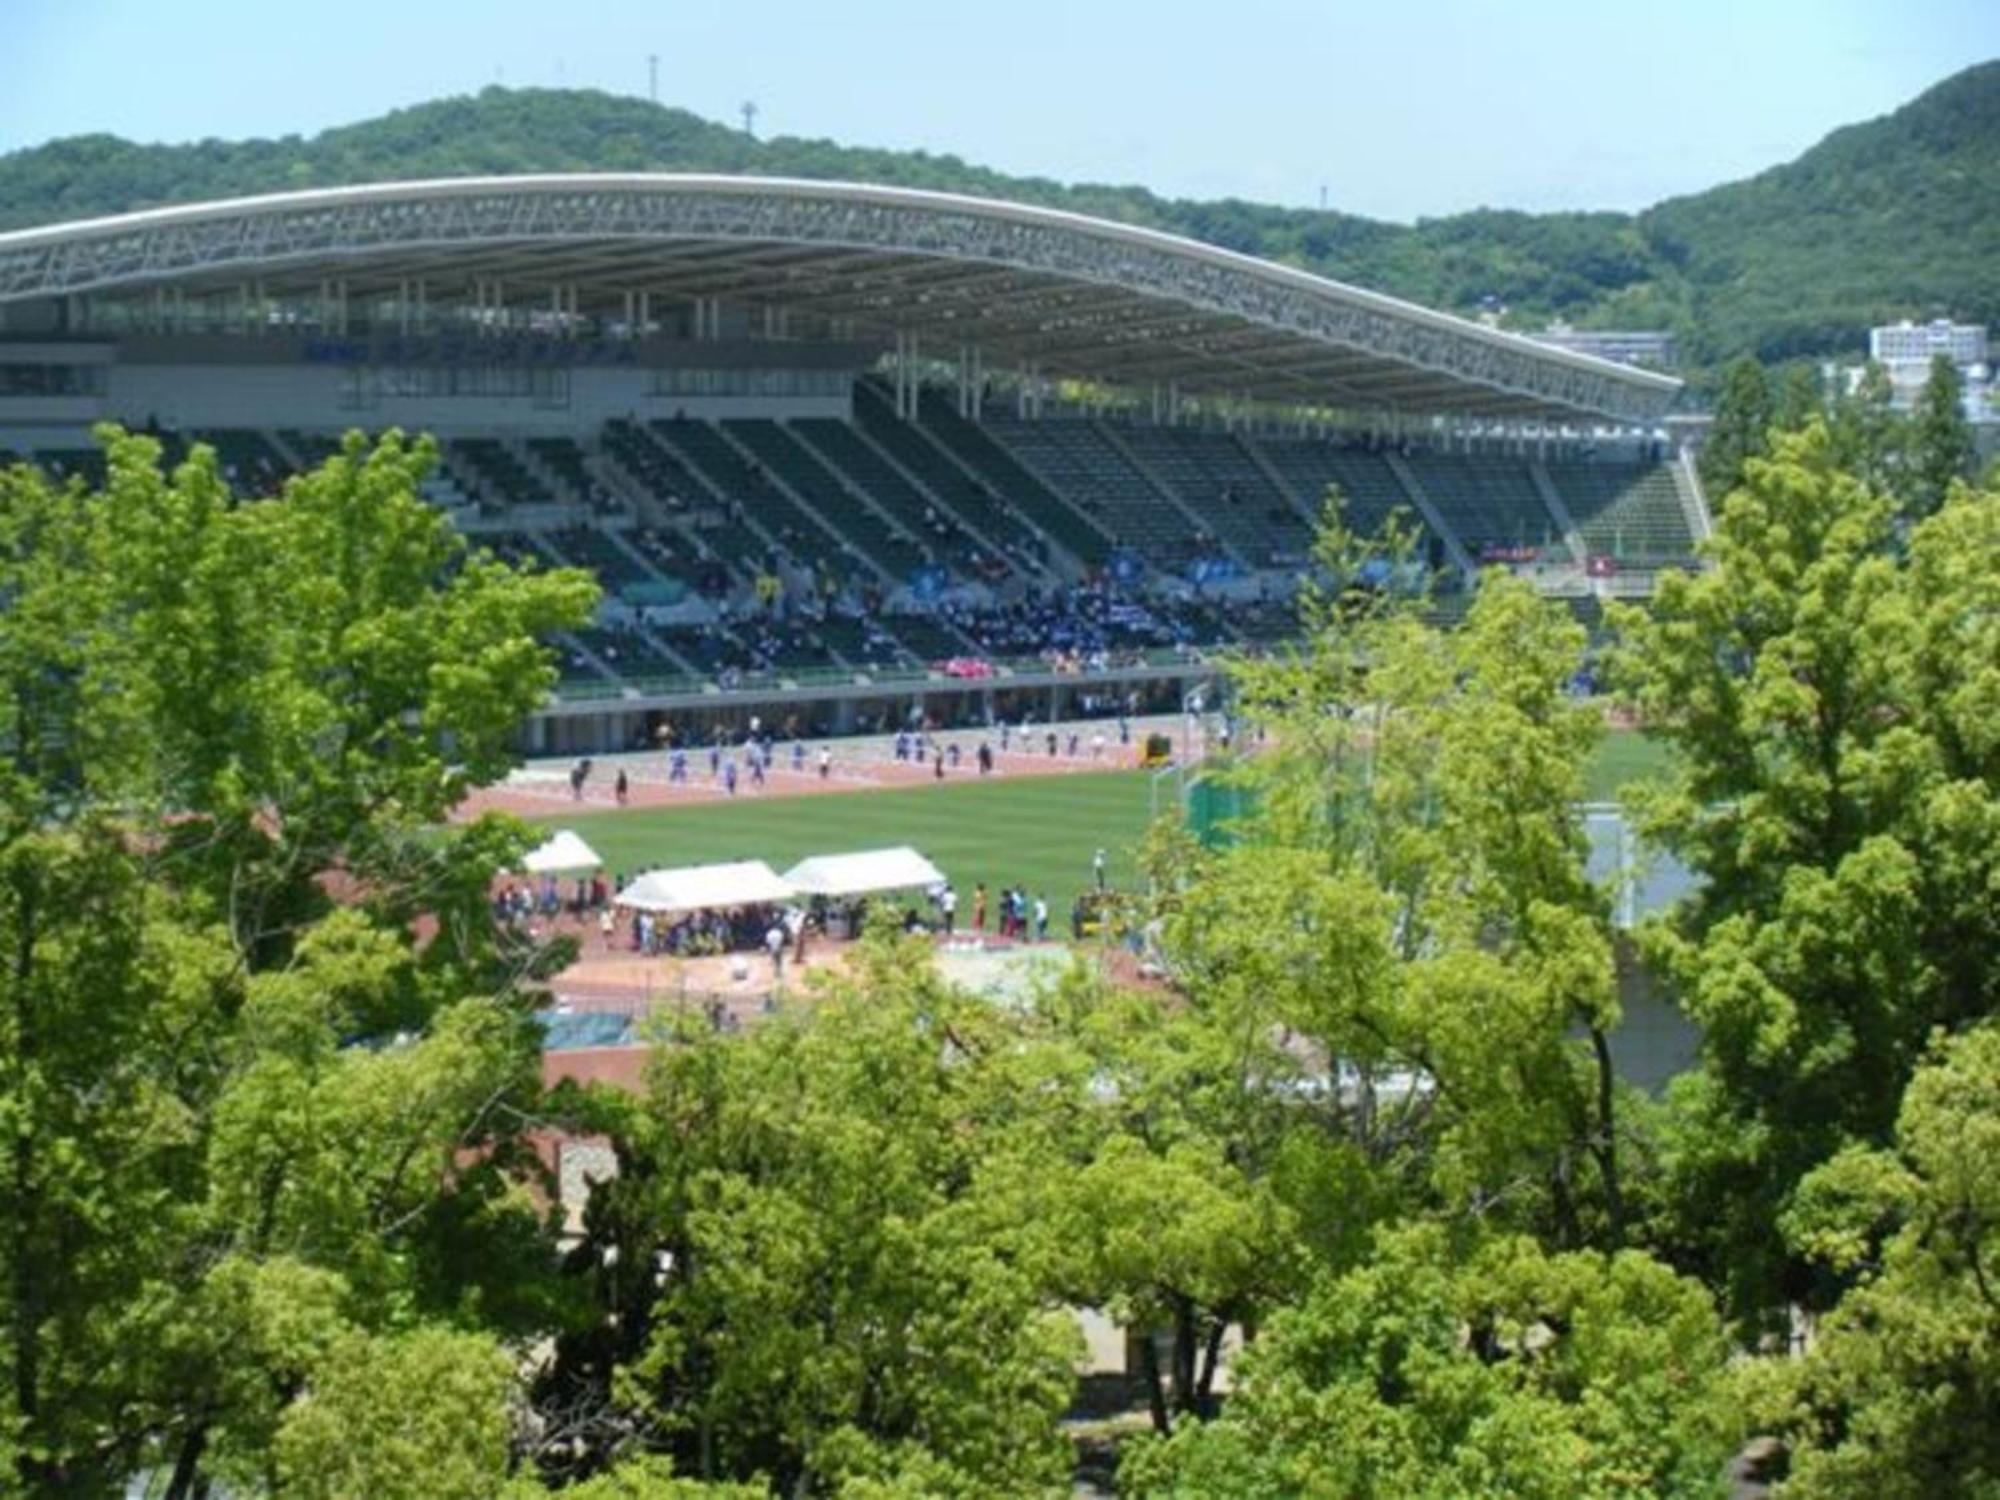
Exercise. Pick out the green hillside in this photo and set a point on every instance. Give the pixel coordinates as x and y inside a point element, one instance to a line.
<point>1896,217</point>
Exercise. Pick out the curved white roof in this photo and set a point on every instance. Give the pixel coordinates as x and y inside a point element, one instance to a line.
<point>1068,294</point>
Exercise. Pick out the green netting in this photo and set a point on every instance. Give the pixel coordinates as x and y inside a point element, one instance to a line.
<point>1216,810</point>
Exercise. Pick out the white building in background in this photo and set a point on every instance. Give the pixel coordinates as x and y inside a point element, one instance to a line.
<point>1919,343</point>
<point>1905,351</point>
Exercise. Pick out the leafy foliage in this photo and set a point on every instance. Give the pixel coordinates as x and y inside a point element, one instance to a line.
<point>1895,1396</point>
<point>1830,691</point>
<point>254,1137</point>
<point>1505,1371</point>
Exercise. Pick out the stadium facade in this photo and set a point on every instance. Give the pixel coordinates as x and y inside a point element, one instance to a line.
<point>843,452</point>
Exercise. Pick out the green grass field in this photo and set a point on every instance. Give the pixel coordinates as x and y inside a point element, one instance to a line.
<point>1038,831</point>
<point>1624,756</point>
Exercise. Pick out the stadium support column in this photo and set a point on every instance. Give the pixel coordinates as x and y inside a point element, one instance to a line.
<point>403,307</point>
<point>978,383</point>
<point>423,305</point>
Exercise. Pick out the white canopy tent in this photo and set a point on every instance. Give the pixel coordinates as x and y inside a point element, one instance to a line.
<point>748,882</point>
<point>863,873</point>
<point>565,853</point>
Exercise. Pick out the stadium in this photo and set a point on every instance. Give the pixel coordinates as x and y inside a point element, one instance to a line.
<point>844,457</point>
<point>699,813</point>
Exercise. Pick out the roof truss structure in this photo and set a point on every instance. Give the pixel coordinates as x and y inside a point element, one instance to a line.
<point>1061,293</point>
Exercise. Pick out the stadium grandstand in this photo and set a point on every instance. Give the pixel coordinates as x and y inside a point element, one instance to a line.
<point>841,453</point>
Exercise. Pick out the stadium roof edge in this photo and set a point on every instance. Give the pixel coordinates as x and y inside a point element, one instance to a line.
<point>1249,325</point>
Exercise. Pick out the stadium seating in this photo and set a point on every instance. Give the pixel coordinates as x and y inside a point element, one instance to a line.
<point>564,459</point>
<point>832,503</point>
<point>250,461</point>
<point>589,547</point>
<point>309,449</point>
<point>1217,479</point>
<point>1082,465</point>
<point>630,652</point>
<point>1628,511</point>
<point>657,472</point>
<point>863,467</point>
<point>486,470</point>
<point>744,486</point>
<point>840,512</point>
<point>927,639</point>
<point>1369,488</point>
<point>976,502</point>
<point>1006,476</point>
<point>65,464</point>
<point>862,643</point>
<point>1488,501</point>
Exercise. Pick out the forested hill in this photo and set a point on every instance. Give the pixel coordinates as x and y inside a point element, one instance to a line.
<point>1898,217</point>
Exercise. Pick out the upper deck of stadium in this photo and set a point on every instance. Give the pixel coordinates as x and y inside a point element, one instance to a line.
<point>1000,285</point>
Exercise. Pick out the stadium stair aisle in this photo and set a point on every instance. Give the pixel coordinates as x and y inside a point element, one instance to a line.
<point>977,449</point>
<point>817,487</point>
<point>1085,467</point>
<point>1214,479</point>
<point>590,547</point>
<point>759,502</point>
<point>498,480</point>
<point>1629,511</point>
<point>1488,501</point>
<point>846,451</point>
<point>950,484</point>
<point>564,461</point>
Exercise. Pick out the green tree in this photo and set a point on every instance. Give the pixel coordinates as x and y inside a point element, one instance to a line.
<point>221,1088</point>
<point>1740,430</point>
<point>1870,438</point>
<point>1502,1371</point>
<point>1830,698</point>
<point>801,1274</point>
<point>416,1416</point>
<point>1894,1398</point>
<point>1409,898</point>
<point>1798,397</point>
<point>1941,447</point>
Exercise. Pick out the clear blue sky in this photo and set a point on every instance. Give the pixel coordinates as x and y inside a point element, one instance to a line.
<point>1398,109</point>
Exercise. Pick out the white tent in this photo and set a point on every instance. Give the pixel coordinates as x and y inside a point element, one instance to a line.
<point>705,887</point>
<point>859,874</point>
<point>560,855</point>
